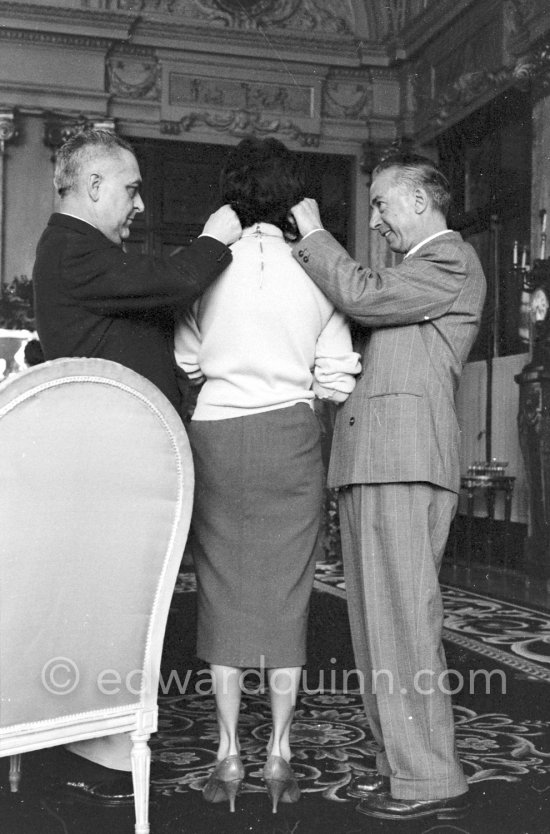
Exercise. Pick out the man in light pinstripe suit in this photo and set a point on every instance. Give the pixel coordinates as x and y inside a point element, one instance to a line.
<point>395,459</point>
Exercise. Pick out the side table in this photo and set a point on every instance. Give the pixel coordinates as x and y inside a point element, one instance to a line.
<point>490,486</point>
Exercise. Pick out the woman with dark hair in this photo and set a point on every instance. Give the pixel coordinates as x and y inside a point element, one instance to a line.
<point>264,342</point>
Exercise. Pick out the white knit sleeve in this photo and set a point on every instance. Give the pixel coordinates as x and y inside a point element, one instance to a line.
<point>336,363</point>
<point>187,342</point>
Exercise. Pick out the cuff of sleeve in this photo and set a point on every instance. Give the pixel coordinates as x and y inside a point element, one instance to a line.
<point>332,394</point>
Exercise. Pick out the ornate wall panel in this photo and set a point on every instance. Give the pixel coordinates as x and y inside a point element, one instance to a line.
<point>242,99</point>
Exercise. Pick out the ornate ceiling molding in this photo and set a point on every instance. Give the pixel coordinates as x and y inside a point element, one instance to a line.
<point>55,39</point>
<point>81,20</point>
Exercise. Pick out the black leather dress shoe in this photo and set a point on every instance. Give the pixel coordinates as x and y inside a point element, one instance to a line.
<point>76,777</point>
<point>384,806</point>
<point>368,783</point>
<point>118,791</point>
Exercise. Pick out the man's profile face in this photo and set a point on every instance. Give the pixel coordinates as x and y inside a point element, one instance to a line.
<point>394,214</point>
<point>118,197</point>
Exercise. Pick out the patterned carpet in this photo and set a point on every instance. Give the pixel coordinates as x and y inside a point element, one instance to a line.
<point>500,657</point>
<point>512,634</point>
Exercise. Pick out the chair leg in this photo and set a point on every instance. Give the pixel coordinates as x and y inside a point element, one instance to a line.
<point>15,772</point>
<point>141,768</point>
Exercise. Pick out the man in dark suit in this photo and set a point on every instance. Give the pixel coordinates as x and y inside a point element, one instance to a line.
<point>395,459</point>
<point>93,298</point>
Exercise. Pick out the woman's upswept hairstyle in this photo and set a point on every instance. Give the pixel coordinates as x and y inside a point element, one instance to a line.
<point>416,171</point>
<point>262,179</point>
<point>86,144</point>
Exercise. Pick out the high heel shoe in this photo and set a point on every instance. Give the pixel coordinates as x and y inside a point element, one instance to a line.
<point>280,781</point>
<point>225,781</point>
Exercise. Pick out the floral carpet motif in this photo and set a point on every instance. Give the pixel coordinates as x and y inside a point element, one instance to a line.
<point>509,633</point>
<point>331,739</point>
<point>331,743</point>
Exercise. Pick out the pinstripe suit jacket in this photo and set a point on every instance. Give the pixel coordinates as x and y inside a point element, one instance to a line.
<point>419,322</point>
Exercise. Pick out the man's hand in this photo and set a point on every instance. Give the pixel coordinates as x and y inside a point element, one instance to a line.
<point>223,225</point>
<point>307,216</point>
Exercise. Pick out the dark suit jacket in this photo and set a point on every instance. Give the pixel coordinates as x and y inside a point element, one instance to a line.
<point>93,299</point>
<point>421,318</point>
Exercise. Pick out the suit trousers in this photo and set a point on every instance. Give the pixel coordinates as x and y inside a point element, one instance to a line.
<point>393,539</point>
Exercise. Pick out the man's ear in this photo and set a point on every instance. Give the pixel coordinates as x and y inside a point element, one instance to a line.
<point>94,181</point>
<point>421,200</point>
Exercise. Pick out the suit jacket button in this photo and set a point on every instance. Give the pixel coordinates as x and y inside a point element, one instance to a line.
<point>301,253</point>
<point>306,259</point>
<point>351,421</point>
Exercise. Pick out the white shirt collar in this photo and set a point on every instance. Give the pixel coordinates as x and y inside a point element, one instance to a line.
<point>426,240</point>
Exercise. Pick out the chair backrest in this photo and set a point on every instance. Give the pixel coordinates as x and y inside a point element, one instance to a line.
<point>96,497</point>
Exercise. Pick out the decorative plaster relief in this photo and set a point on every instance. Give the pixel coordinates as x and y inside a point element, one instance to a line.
<point>133,78</point>
<point>241,99</point>
<point>59,129</point>
<point>229,93</point>
<point>322,15</point>
<point>347,98</point>
<point>240,123</point>
<point>308,15</point>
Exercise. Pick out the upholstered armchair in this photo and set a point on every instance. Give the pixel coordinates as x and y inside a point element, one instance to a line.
<point>97,488</point>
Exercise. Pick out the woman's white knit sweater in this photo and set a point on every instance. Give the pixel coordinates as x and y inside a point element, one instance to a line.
<point>263,335</point>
